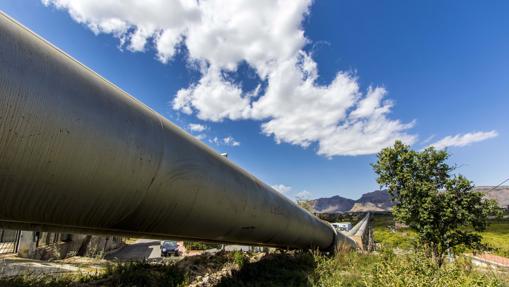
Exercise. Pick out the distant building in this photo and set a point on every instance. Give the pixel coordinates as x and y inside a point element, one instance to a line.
<point>342,226</point>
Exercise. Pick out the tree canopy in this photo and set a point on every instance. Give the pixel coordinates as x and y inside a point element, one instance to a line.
<point>442,207</point>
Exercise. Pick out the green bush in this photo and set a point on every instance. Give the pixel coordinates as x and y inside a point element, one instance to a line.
<point>144,274</point>
<point>240,258</point>
<point>278,269</point>
<point>195,245</point>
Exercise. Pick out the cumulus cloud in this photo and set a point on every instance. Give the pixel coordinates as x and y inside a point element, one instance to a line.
<point>282,188</point>
<point>460,140</point>
<point>213,98</point>
<point>267,35</point>
<point>197,127</point>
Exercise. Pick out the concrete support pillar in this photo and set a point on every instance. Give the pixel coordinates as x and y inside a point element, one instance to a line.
<point>27,242</point>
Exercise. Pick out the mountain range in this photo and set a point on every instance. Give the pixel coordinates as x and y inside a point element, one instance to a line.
<point>380,200</point>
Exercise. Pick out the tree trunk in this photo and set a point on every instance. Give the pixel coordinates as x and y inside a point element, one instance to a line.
<point>438,255</point>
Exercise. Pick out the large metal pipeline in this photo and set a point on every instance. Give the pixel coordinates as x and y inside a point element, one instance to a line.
<point>78,153</point>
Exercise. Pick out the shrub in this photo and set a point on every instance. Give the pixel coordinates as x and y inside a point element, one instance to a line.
<point>239,258</point>
<point>195,245</point>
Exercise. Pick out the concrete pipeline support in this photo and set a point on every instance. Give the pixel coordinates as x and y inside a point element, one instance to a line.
<point>79,154</point>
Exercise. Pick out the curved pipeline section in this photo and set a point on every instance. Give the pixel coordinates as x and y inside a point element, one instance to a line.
<point>78,153</point>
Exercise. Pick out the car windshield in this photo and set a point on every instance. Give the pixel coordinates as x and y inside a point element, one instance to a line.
<point>169,244</point>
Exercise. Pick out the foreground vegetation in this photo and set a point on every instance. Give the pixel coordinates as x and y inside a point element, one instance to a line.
<point>283,269</point>
<point>390,269</point>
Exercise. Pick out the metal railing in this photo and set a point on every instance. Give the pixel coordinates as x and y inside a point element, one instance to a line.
<point>9,240</point>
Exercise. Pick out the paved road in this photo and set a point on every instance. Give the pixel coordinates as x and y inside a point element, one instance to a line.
<point>141,249</point>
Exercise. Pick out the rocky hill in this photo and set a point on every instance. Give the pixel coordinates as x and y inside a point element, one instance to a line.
<point>335,204</point>
<point>500,194</point>
<point>380,200</point>
<point>377,200</point>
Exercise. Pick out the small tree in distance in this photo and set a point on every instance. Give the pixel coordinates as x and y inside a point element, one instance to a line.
<point>442,208</point>
<point>305,203</point>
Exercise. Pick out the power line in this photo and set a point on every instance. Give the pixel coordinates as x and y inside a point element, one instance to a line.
<point>499,184</point>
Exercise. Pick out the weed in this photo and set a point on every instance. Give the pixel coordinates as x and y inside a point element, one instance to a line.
<point>239,258</point>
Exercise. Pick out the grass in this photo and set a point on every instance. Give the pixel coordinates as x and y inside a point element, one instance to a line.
<point>353,269</point>
<point>384,269</point>
<point>279,269</point>
<point>143,274</point>
<point>496,236</point>
<point>415,269</point>
<point>388,237</point>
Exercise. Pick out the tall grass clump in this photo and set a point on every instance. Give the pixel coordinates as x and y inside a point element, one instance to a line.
<point>278,269</point>
<point>142,274</point>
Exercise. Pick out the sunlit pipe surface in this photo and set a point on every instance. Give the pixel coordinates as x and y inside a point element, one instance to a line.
<point>78,153</point>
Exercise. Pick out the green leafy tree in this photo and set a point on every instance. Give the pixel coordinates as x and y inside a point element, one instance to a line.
<point>440,206</point>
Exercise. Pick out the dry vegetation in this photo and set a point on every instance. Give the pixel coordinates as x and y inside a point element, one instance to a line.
<point>280,269</point>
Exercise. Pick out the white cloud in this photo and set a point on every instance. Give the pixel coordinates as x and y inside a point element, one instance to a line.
<point>230,141</point>
<point>303,195</point>
<point>282,188</point>
<point>215,140</point>
<point>197,127</point>
<point>464,139</point>
<point>266,35</point>
<point>226,141</point>
<point>427,140</point>
<point>213,98</point>
<point>201,137</point>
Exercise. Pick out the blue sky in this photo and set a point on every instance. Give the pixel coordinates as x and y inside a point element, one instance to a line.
<point>337,80</point>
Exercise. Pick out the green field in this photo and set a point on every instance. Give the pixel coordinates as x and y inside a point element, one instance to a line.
<point>496,236</point>
<point>386,236</point>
